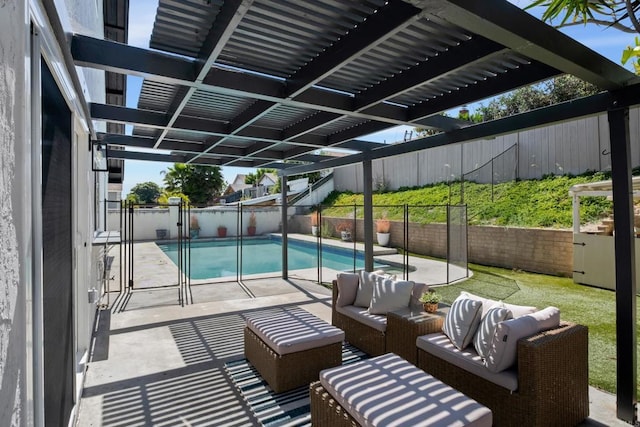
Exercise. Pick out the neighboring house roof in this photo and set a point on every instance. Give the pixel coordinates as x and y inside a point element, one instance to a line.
<point>239,179</point>
<point>232,188</point>
<point>268,179</point>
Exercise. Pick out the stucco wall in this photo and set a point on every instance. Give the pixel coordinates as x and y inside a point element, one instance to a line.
<point>13,224</point>
<point>147,221</point>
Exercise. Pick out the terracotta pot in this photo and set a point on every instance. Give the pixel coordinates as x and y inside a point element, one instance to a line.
<point>251,231</point>
<point>430,308</point>
<point>222,231</point>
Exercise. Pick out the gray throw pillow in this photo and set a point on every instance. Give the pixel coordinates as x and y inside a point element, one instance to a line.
<point>347,288</point>
<point>503,350</point>
<point>365,289</point>
<point>390,295</point>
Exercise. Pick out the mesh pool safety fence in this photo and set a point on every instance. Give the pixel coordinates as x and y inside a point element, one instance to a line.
<point>332,238</point>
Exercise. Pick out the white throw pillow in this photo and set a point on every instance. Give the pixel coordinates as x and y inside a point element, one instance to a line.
<point>462,320</point>
<point>520,310</point>
<point>504,345</point>
<point>347,288</point>
<point>365,289</point>
<point>484,335</point>
<point>487,304</point>
<point>385,275</point>
<point>389,295</point>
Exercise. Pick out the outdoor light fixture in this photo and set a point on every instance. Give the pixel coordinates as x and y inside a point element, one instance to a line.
<point>99,157</point>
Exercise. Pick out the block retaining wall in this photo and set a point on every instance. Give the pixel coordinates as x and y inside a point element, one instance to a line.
<point>537,250</point>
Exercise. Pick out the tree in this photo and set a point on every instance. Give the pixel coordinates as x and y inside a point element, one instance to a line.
<point>554,91</point>
<point>145,192</point>
<point>199,183</point>
<point>619,14</point>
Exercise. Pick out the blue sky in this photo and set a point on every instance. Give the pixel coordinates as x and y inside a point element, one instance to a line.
<point>606,41</point>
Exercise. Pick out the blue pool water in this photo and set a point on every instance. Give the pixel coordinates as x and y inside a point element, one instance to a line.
<point>219,258</point>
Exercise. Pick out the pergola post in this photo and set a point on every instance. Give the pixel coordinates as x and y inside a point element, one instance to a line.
<point>284,220</point>
<point>624,264</point>
<point>367,183</point>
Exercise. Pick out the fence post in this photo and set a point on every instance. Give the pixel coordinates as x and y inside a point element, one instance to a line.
<point>284,219</point>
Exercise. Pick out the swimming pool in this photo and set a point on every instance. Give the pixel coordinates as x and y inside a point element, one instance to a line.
<point>211,259</point>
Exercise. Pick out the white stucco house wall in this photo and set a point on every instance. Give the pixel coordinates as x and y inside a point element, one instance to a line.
<point>46,318</point>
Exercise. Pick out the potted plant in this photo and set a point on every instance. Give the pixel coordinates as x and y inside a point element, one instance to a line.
<point>222,231</point>
<point>344,228</point>
<point>251,229</point>
<point>194,227</point>
<point>383,226</point>
<point>430,301</point>
<point>315,221</point>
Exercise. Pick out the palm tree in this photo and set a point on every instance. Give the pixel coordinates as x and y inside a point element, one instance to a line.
<point>619,14</point>
<point>176,177</point>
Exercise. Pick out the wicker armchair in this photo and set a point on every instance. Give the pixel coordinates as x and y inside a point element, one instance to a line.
<point>366,338</point>
<point>553,383</point>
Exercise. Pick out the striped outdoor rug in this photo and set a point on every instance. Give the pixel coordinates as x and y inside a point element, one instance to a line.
<point>290,408</point>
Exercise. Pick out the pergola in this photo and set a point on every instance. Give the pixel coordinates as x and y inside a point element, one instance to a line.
<point>255,83</point>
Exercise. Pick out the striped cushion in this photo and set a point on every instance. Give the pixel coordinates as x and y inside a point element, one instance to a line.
<point>293,330</point>
<point>462,321</point>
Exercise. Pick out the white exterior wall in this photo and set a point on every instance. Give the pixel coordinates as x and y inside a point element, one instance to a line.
<point>20,402</point>
<point>571,147</point>
<point>15,222</point>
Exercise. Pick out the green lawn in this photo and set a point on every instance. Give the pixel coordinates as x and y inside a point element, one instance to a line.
<point>588,306</point>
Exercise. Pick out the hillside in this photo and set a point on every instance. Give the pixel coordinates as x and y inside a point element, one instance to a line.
<point>532,203</point>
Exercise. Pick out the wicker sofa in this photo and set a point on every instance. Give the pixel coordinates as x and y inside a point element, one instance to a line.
<point>552,374</point>
<point>548,383</point>
<point>533,370</point>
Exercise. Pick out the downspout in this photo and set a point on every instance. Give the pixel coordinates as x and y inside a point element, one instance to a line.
<point>36,230</point>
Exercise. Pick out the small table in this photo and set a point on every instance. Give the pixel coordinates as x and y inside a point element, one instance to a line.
<point>405,326</point>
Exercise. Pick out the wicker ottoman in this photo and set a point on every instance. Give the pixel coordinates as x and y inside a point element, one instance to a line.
<point>290,347</point>
<point>388,390</point>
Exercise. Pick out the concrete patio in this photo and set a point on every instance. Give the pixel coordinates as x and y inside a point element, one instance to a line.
<point>157,363</point>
